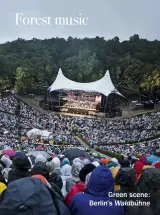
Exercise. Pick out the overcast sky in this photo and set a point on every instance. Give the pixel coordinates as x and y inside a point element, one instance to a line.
<point>107,18</point>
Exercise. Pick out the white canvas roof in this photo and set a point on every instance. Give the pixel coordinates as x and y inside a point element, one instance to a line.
<point>33,133</point>
<point>103,85</point>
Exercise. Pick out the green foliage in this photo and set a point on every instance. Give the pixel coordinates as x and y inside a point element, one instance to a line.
<point>24,80</point>
<point>131,63</point>
<point>21,79</point>
<point>84,63</point>
<point>4,83</point>
<point>152,80</point>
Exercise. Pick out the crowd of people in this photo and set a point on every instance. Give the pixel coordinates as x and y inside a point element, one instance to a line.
<point>101,132</point>
<point>38,178</point>
<point>144,148</point>
<point>57,185</point>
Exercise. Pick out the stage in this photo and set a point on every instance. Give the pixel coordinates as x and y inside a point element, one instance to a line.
<point>127,111</point>
<point>93,98</point>
<point>78,110</point>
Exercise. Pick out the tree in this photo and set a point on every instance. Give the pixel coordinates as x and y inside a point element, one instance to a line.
<point>21,78</point>
<point>134,37</point>
<point>4,65</point>
<point>131,74</point>
<point>152,80</point>
<point>131,63</point>
<point>24,80</point>
<point>116,39</point>
<point>4,83</point>
<point>84,63</point>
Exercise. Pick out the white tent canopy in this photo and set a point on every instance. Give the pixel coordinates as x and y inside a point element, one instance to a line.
<point>45,135</point>
<point>103,85</point>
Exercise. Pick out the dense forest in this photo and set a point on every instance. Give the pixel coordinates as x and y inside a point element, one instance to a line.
<point>28,64</point>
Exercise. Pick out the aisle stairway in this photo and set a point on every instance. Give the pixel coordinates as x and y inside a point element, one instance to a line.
<point>92,150</point>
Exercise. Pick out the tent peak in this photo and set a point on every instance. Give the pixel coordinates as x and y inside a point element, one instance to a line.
<point>60,71</point>
<point>103,85</point>
<point>107,73</point>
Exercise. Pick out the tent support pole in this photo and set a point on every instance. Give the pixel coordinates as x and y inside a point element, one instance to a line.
<point>106,104</point>
<point>59,99</point>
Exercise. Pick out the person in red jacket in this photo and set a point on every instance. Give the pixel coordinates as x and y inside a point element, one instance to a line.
<point>138,168</point>
<point>79,187</point>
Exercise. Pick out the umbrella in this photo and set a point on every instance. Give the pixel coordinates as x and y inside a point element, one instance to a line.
<point>9,152</point>
<point>35,153</point>
<point>32,158</point>
<point>73,153</point>
<point>20,154</point>
<point>152,159</point>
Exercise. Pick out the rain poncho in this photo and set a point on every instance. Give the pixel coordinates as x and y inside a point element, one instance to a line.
<point>40,158</point>
<point>66,174</point>
<point>2,187</point>
<point>100,184</point>
<point>6,160</point>
<point>64,162</point>
<point>76,168</point>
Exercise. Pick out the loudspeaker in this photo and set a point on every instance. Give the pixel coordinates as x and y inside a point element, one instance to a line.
<point>102,100</point>
<point>18,108</point>
<point>52,97</point>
